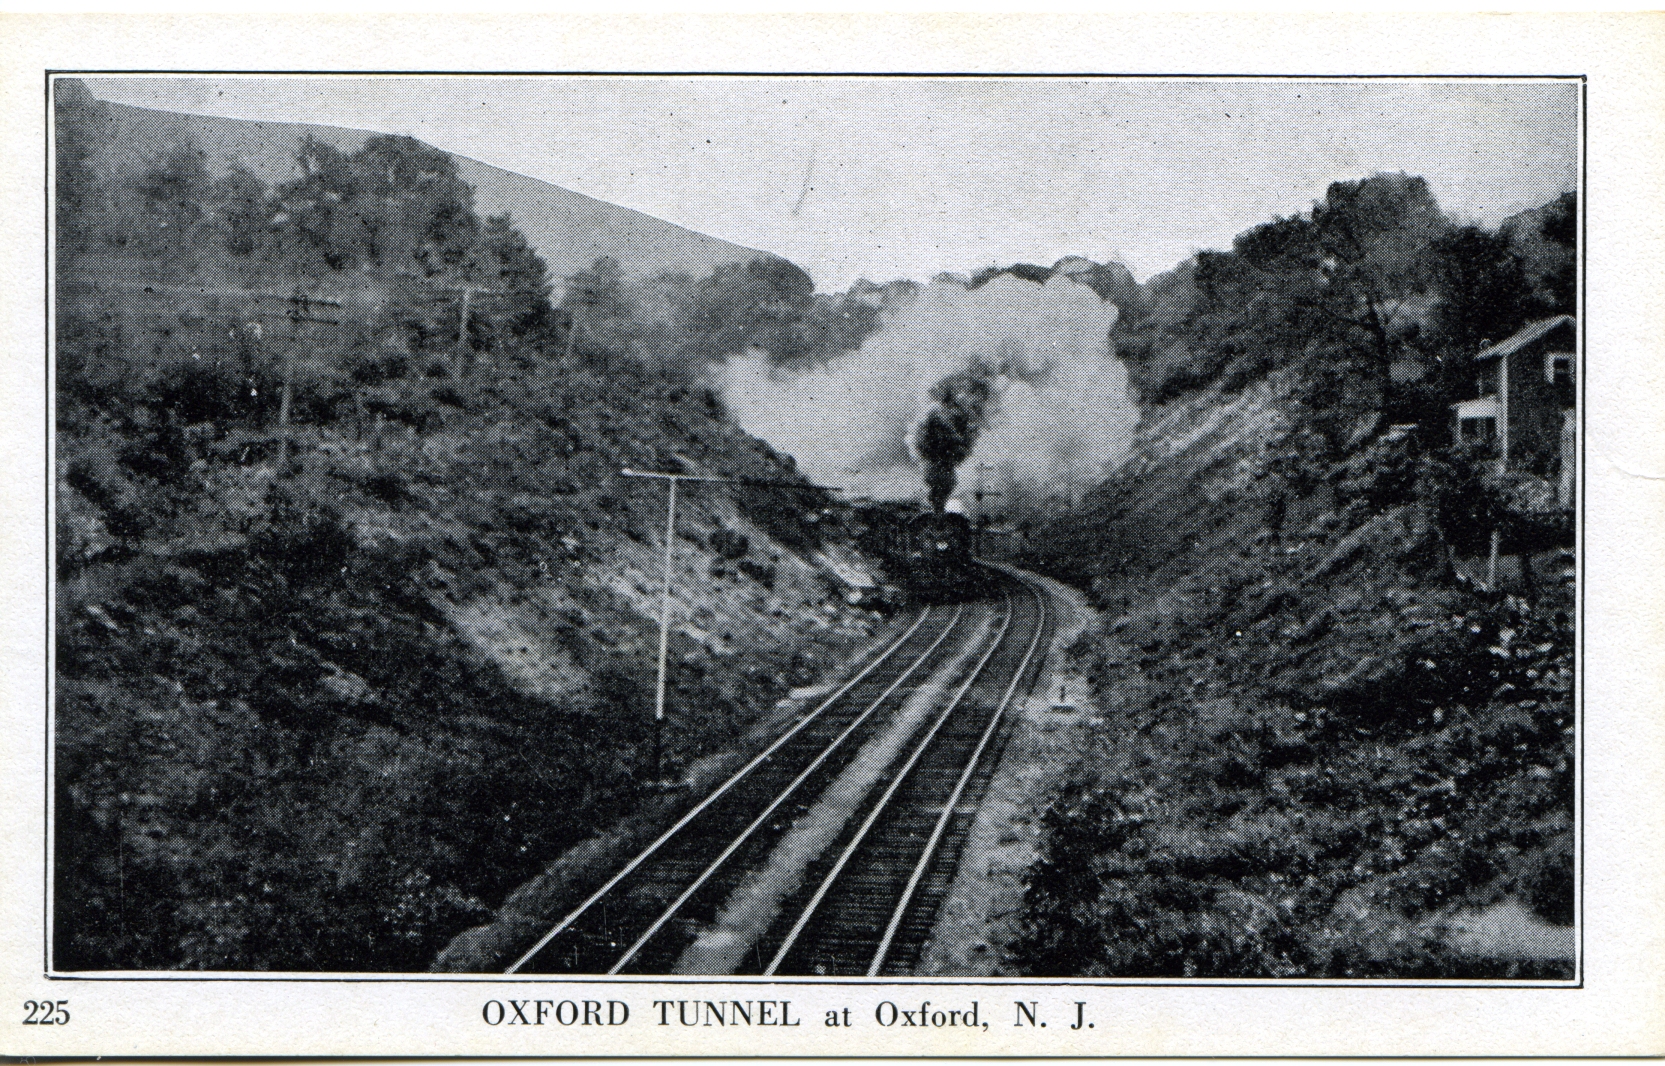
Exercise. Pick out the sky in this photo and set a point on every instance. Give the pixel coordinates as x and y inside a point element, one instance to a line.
<point>889,177</point>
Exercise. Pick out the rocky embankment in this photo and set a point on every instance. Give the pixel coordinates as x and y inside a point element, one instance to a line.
<point>1323,752</point>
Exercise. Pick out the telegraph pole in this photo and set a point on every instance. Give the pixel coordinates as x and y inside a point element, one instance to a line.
<point>572,334</point>
<point>978,494</point>
<point>297,313</point>
<point>464,352</point>
<point>672,479</point>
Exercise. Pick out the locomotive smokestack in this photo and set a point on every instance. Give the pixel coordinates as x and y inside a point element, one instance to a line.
<point>947,434</point>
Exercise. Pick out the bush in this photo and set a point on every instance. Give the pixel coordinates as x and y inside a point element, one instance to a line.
<point>762,573</point>
<point>198,390</point>
<point>1384,475</point>
<point>374,369</point>
<point>388,486</point>
<point>1467,504</point>
<point>303,540</point>
<point>729,544</point>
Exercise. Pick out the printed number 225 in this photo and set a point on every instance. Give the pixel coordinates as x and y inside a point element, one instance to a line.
<point>46,1012</point>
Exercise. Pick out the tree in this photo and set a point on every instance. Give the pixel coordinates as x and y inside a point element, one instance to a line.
<point>1560,220</point>
<point>1484,292</point>
<point>1345,275</point>
<point>1560,280</point>
<point>1282,246</point>
<point>1372,233</point>
<point>317,225</point>
<point>175,196</point>
<point>828,326</point>
<point>396,204</point>
<point>597,302</point>
<point>1225,282</point>
<point>81,130</point>
<point>241,210</point>
<point>754,304</point>
<point>502,261</point>
<point>415,191</point>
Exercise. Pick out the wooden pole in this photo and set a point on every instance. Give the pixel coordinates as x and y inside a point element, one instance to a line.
<point>981,525</point>
<point>665,589</point>
<point>463,351</point>
<point>1491,563</point>
<point>664,625</point>
<point>572,332</point>
<point>297,312</point>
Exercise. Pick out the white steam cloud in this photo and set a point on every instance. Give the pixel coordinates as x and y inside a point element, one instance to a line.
<point>1058,410</point>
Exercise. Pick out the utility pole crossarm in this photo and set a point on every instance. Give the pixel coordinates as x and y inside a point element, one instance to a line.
<point>764,482</point>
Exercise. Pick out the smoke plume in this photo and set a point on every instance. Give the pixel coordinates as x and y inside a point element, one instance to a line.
<point>1013,376</point>
<point>947,435</point>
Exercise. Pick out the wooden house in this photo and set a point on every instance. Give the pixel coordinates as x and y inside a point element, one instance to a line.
<point>1524,399</point>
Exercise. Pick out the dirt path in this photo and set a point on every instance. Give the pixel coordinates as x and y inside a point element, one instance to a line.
<point>756,902</point>
<point>977,919</point>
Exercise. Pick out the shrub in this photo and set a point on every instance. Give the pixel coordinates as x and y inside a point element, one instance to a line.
<point>729,544</point>
<point>303,540</point>
<point>762,573</point>
<point>1466,503</point>
<point>198,390</point>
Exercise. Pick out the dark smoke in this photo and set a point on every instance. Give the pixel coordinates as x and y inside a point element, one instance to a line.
<point>947,434</point>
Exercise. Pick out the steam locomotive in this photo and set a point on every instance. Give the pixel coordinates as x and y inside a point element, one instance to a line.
<point>929,554</point>
<point>938,558</point>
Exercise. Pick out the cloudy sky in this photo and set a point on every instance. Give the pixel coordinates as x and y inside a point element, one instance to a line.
<point>906,177</point>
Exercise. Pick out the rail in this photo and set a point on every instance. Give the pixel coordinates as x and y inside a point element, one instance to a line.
<point>896,782</point>
<point>948,758</point>
<point>734,779</point>
<point>953,801</point>
<point>768,812</point>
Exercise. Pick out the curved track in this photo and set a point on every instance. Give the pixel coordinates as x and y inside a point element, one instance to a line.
<point>866,903</point>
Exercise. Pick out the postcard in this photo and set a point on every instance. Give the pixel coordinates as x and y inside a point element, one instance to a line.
<point>833,537</point>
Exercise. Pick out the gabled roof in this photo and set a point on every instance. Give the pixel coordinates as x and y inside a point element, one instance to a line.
<point>1530,332</point>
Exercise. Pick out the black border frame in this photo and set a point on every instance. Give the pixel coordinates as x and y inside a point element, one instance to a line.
<point>1581,563</point>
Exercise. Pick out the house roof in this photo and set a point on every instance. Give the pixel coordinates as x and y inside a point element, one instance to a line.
<point>1530,332</point>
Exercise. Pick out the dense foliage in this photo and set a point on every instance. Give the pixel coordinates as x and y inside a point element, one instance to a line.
<point>766,303</point>
<point>1374,275</point>
<point>327,690</point>
<point>1322,757</point>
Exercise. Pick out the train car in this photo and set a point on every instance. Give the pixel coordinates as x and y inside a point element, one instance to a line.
<point>938,557</point>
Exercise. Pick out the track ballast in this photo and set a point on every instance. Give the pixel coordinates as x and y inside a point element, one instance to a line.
<point>866,904</point>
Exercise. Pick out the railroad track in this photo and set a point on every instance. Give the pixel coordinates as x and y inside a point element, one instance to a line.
<point>865,901</point>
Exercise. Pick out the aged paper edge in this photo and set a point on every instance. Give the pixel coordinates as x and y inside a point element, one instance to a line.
<point>1616,1009</point>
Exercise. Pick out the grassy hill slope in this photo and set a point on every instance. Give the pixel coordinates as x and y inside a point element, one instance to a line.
<point>568,229</point>
<point>341,663</point>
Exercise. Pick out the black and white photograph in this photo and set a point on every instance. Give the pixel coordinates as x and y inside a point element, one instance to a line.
<point>549,541</point>
<point>1075,528</point>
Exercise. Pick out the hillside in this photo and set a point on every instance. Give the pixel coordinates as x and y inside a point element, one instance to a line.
<point>356,619</point>
<point>568,229</point>
<point>1324,750</point>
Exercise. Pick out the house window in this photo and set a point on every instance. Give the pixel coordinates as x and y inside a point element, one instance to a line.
<point>1477,430</point>
<point>1488,380</point>
<point>1558,369</point>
